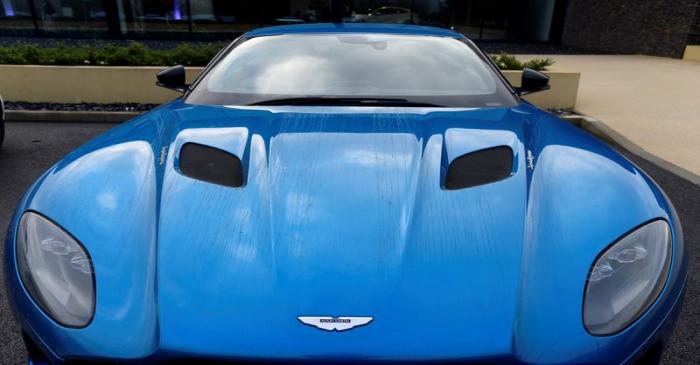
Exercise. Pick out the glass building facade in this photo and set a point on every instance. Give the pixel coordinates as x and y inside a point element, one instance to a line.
<point>694,36</point>
<point>530,20</point>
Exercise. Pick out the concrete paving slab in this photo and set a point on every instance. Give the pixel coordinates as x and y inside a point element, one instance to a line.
<point>652,101</point>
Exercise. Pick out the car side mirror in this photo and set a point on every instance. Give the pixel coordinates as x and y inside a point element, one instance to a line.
<point>173,78</point>
<point>532,82</point>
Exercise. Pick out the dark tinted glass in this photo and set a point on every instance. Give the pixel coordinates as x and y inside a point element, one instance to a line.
<point>211,164</point>
<point>479,168</point>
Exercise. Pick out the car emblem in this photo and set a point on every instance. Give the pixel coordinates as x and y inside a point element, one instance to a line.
<point>335,323</point>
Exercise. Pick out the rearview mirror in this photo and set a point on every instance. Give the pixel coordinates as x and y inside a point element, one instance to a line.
<point>172,78</point>
<point>532,82</point>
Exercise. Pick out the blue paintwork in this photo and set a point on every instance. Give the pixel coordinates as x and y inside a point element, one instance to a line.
<point>354,28</point>
<point>342,213</point>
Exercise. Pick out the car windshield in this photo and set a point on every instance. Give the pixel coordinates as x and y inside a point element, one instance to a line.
<point>367,69</point>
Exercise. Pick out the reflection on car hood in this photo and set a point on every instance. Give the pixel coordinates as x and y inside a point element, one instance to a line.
<point>342,213</point>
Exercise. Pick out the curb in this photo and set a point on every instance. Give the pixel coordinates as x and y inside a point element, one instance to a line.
<point>609,135</point>
<point>55,116</point>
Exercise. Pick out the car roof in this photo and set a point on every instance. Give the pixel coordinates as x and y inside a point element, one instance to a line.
<point>316,28</point>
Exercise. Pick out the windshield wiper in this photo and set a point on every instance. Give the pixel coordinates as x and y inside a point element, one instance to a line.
<point>345,101</point>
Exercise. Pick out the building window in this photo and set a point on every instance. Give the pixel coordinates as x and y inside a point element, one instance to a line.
<point>154,18</point>
<point>530,20</point>
<point>71,17</point>
<point>16,17</point>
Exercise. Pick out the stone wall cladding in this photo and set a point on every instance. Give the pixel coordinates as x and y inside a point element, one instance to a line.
<point>653,27</point>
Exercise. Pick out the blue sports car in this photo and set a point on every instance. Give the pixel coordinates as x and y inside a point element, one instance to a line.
<point>356,193</point>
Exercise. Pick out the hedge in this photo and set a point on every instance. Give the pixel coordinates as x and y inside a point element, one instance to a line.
<point>137,54</point>
<point>506,61</point>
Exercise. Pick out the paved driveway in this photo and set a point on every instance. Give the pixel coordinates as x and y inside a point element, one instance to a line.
<point>31,148</point>
<point>652,101</point>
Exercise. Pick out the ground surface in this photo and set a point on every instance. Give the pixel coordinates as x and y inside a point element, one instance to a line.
<point>652,101</point>
<point>31,148</point>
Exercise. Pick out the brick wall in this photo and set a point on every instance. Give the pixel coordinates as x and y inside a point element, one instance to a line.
<point>653,27</point>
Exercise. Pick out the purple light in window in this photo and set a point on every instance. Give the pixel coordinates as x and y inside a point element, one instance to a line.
<point>176,10</point>
<point>8,8</point>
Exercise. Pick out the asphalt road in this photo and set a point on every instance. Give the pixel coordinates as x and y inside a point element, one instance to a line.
<point>28,151</point>
<point>31,148</point>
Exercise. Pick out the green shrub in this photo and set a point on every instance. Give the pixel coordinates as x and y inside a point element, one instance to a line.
<point>137,54</point>
<point>134,54</point>
<point>506,61</point>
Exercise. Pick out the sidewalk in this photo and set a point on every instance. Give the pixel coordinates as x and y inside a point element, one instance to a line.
<point>652,101</point>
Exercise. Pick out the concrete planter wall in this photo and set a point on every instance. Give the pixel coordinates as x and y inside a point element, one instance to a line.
<point>90,84</point>
<point>692,53</point>
<point>99,84</point>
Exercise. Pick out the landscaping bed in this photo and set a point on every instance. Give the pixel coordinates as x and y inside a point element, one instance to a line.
<point>108,54</point>
<point>139,54</point>
<point>106,73</point>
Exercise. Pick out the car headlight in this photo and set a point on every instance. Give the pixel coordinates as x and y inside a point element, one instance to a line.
<point>626,279</point>
<point>56,271</point>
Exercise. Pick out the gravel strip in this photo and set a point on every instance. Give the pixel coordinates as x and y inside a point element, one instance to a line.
<point>84,107</point>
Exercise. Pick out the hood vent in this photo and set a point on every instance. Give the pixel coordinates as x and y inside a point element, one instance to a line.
<point>211,165</point>
<point>479,168</point>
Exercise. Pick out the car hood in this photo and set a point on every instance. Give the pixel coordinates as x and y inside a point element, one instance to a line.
<point>343,213</point>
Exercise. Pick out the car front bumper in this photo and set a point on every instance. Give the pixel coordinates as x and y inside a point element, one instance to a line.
<point>649,352</point>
